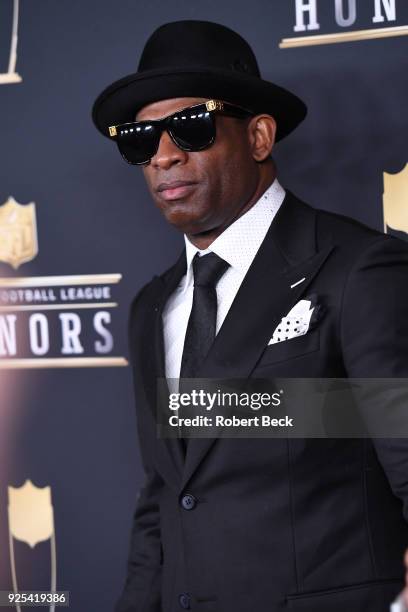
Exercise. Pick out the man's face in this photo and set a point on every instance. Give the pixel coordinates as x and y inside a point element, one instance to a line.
<point>202,191</point>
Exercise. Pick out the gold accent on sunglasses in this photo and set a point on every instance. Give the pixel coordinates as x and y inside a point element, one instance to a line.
<point>214,105</point>
<point>211,105</point>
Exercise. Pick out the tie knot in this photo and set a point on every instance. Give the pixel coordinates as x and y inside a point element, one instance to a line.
<point>208,269</point>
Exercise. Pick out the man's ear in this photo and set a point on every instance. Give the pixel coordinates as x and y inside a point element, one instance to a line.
<point>262,133</point>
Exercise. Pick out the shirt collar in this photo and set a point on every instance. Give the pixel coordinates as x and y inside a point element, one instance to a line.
<point>239,243</point>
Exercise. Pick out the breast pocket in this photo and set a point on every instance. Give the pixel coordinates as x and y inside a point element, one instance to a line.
<point>290,349</point>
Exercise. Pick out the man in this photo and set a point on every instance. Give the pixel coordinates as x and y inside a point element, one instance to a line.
<point>231,525</point>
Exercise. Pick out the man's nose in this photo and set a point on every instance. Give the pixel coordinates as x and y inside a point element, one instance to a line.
<point>168,154</point>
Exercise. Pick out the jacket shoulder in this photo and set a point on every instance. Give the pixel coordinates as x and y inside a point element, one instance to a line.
<point>148,293</point>
<point>141,296</point>
<point>357,236</point>
<point>351,237</point>
<point>344,228</point>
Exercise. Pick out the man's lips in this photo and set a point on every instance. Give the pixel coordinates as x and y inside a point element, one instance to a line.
<point>175,190</point>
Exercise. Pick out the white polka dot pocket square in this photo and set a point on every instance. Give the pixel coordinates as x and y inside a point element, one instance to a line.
<point>300,319</point>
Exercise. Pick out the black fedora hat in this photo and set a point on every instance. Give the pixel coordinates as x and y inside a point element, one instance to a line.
<point>197,59</point>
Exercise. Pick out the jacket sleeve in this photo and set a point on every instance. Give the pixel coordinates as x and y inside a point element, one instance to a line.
<point>143,582</point>
<point>374,333</point>
<point>142,590</point>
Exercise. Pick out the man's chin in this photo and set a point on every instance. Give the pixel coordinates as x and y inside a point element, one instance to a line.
<point>185,222</point>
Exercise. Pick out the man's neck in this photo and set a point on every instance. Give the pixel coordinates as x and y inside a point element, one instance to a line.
<point>203,241</point>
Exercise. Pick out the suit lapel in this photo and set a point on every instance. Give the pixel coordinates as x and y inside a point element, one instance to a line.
<point>288,253</point>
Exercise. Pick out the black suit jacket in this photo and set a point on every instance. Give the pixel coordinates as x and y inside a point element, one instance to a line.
<point>299,524</point>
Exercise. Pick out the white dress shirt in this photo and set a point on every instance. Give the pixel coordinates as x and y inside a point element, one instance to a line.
<point>237,245</point>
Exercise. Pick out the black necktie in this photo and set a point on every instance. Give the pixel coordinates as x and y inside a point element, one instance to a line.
<point>201,326</point>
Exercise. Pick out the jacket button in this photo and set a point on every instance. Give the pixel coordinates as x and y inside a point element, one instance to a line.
<point>188,501</point>
<point>184,601</point>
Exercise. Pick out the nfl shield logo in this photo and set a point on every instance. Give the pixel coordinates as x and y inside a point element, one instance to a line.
<point>31,517</point>
<point>18,233</point>
<point>395,203</point>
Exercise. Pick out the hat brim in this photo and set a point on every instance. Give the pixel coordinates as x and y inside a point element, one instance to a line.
<point>120,102</point>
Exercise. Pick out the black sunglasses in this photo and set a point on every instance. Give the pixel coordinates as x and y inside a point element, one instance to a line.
<point>191,129</point>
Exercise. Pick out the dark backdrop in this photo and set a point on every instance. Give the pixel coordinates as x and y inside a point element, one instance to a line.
<point>74,428</point>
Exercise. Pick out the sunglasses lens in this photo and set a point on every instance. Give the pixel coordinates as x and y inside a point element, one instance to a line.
<point>138,144</point>
<point>193,130</point>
